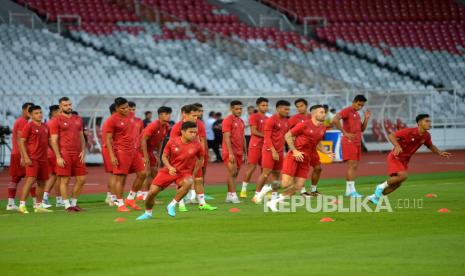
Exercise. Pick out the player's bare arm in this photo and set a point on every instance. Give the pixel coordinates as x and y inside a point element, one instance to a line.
<point>337,123</point>
<point>166,161</point>
<point>82,155</point>
<point>393,139</point>
<point>367,115</point>
<point>323,149</point>
<point>254,131</point>
<point>24,156</point>
<point>227,139</point>
<point>109,142</point>
<point>298,155</point>
<point>143,146</point>
<point>439,152</point>
<point>56,150</point>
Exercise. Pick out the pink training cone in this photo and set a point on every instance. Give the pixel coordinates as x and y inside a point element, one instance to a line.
<point>431,195</point>
<point>443,210</point>
<point>327,219</point>
<point>120,219</point>
<point>234,210</point>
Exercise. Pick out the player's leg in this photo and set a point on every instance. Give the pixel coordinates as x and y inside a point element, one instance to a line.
<point>138,166</point>
<point>80,182</point>
<point>352,166</point>
<point>297,184</point>
<point>275,183</point>
<point>12,186</point>
<point>248,175</point>
<point>316,173</point>
<point>183,187</point>
<point>262,189</point>
<point>48,188</point>
<point>231,181</point>
<point>30,180</point>
<point>64,181</point>
<point>153,191</point>
<point>136,185</point>
<point>59,199</point>
<point>394,182</point>
<point>40,208</point>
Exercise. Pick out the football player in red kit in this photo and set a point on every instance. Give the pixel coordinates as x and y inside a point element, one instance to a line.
<point>33,145</point>
<point>406,143</point>
<point>352,130</point>
<point>273,150</point>
<point>125,159</point>
<point>17,169</point>
<point>254,156</point>
<point>183,157</point>
<point>52,166</point>
<point>233,147</point>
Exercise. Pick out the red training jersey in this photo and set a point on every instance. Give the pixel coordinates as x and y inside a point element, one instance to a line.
<point>275,129</point>
<point>183,156</point>
<point>69,131</point>
<point>19,125</point>
<point>36,140</point>
<point>123,133</point>
<point>351,123</point>
<point>176,130</point>
<point>235,126</point>
<point>298,118</point>
<point>258,120</point>
<point>156,131</point>
<point>137,130</point>
<point>308,136</point>
<point>410,141</point>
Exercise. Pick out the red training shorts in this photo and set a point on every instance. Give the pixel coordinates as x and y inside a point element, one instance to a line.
<point>38,169</point>
<point>395,164</point>
<point>351,151</point>
<point>73,165</point>
<point>164,178</point>
<point>269,163</point>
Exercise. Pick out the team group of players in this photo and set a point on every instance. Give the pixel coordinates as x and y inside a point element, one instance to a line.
<point>50,154</point>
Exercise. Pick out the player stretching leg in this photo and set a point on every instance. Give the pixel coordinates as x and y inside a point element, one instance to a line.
<point>233,147</point>
<point>151,143</point>
<point>254,156</point>
<point>352,129</point>
<point>406,142</point>
<point>273,150</point>
<point>182,157</point>
<point>33,146</point>
<point>304,140</point>
<point>189,114</point>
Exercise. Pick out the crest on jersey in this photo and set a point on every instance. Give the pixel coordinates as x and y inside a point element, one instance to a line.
<point>65,123</point>
<point>122,123</point>
<point>176,149</point>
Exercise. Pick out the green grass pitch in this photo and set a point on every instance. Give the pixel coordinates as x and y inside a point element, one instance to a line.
<point>408,241</point>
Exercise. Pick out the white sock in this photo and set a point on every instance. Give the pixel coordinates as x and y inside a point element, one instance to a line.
<point>173,203</point>
<point>22,203</point>
<point>181,203</point>
<point>383,185</point>
<point>66,202</point>
<point>11,201</point>
<point>131,195</point>
<point>59,199</point>
<point>34,201</point>
<point>120,202</point>
<point>113,198</point>
<point>139,193</point>
<point>350,187</point>
<point>192,194</point>
<point>201,199</point>
<point>108,194</point>
<point>148,212</point>
<point>303,190</point>
<point>313,188</point>
<point>257,193</point>
<point>73,202</point>
<point>244,186</point>
<point>45,195</point>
